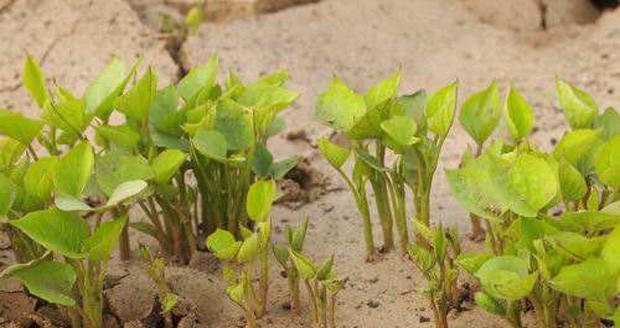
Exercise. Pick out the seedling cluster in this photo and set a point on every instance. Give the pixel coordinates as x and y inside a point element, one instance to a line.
<point>192,160</point>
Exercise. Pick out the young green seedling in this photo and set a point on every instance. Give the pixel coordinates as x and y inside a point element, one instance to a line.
<point>228,127</point>
<point>295,239</point>
<point>563,266</point>
<point>438,266</point>
<point>76,284</point>
<point>241,257</point>
<point>480,116</point>
<point>323,286</point>
<point>155,268</point>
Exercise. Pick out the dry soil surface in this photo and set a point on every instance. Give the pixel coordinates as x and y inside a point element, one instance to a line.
<point>434,42</point>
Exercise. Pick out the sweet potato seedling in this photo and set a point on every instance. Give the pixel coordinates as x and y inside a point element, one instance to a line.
<point>411,126</point>
<point>322,285</point>
<point>295,238</point>
<point>438,266</point>
<point>76,283</point>
<point>242,256</point>
<point>155,268</point>
<point>228,127</point>
<point>561,265</point>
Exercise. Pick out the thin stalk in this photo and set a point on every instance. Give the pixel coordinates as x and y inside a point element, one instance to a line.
<point>264,281</point>
<point>331,312</point>
<point>313,297</point>
<point>362,205</point>
<point>397,195</point>
<point>379,186</point>
<point>293,286</point>
<point>124,246</point>
<point>477,233</point>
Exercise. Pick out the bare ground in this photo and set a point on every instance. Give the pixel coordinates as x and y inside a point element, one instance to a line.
<point>434,42</point>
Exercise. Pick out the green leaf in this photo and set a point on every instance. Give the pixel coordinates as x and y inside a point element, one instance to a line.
<point>235,293</point>
<point>249,249</point>
<point>325,270</point>
<point>136,103</point>
<point>211,144</point>
<point>169,301</point>
<point>580,109</point>
<point>401,130</point>
<point>194,17</point>
<point>339,107</point>
<point>611,250</point>
<point>223,244</point>
<point>34,81</point>
<point>199,78</point>
<point>280,168</point>
<point>518,113</point>
<point>383,91</point>
<point>422,257</point>
<point>125,191</point>
<point>333,153</point>
<point>68,114</point>
<point>260,199</point>
<point>480,113</point>
<point>440,110</point>
<point>575,245</point>
<point>262,162</point>
<point>122,135</point>
<point>74,170</point>
<point>101,93</point>
<point>490,304</point>
<point>50,280</point>
<point>533,184</point>
<point>578,147</point>
<point>506,277</point>
<point>281,254</point>
<point>572,183</point>
<point>60,232</point>
<point>472,261</point>
<point>306,268</point>
<point>166,164</point>
<point>7,195</point>
<point>591,279</point>
<point>114,168</point>
<point>609,122</point>
<point>39,178</point>
<point>413,106</point>
<point>368,126</point>
<point>233,121</point>
<point>10,151</point>
<point>18,127</point>
<point>607,162</point>
<point>100,244</point>
<point>71,204</point>
<point>584,221</point>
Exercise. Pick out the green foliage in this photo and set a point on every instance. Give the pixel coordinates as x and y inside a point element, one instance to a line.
<point>518,113</point>
<point>580,109</point>
<point>480,113</point>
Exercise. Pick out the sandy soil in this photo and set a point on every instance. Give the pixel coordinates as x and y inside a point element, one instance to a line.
<point>435,42</point>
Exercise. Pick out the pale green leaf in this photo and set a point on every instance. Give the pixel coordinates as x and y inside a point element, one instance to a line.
<point>383,91</point>
<point>260,199</point>
<point>339,107</point>
<point>74,169</point>
<point>211,144</point>
<point>480,113</point>
<point>34,81</point>
<point>58,231</point>
<point>591,279</point>
<point>136,103</point>
<point>199,78</point>
<point>440,110</point>
<point>518,113</point>
<point>580,109</point>
<point>18,127</point>
<point>39,178</point>
<point>607,162</point>
<point>167,164</point>
<point>572,183</point>
<point>125,191</point>
<point>333,153</point>
<point>100,244</point>
<point>50,280</point>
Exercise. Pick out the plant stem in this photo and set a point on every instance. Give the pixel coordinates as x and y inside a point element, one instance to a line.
<point>362,204</point>
<point>293,286</point>
<point>331,312</point>
<point>264,281</point>
<point>124,246</point>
